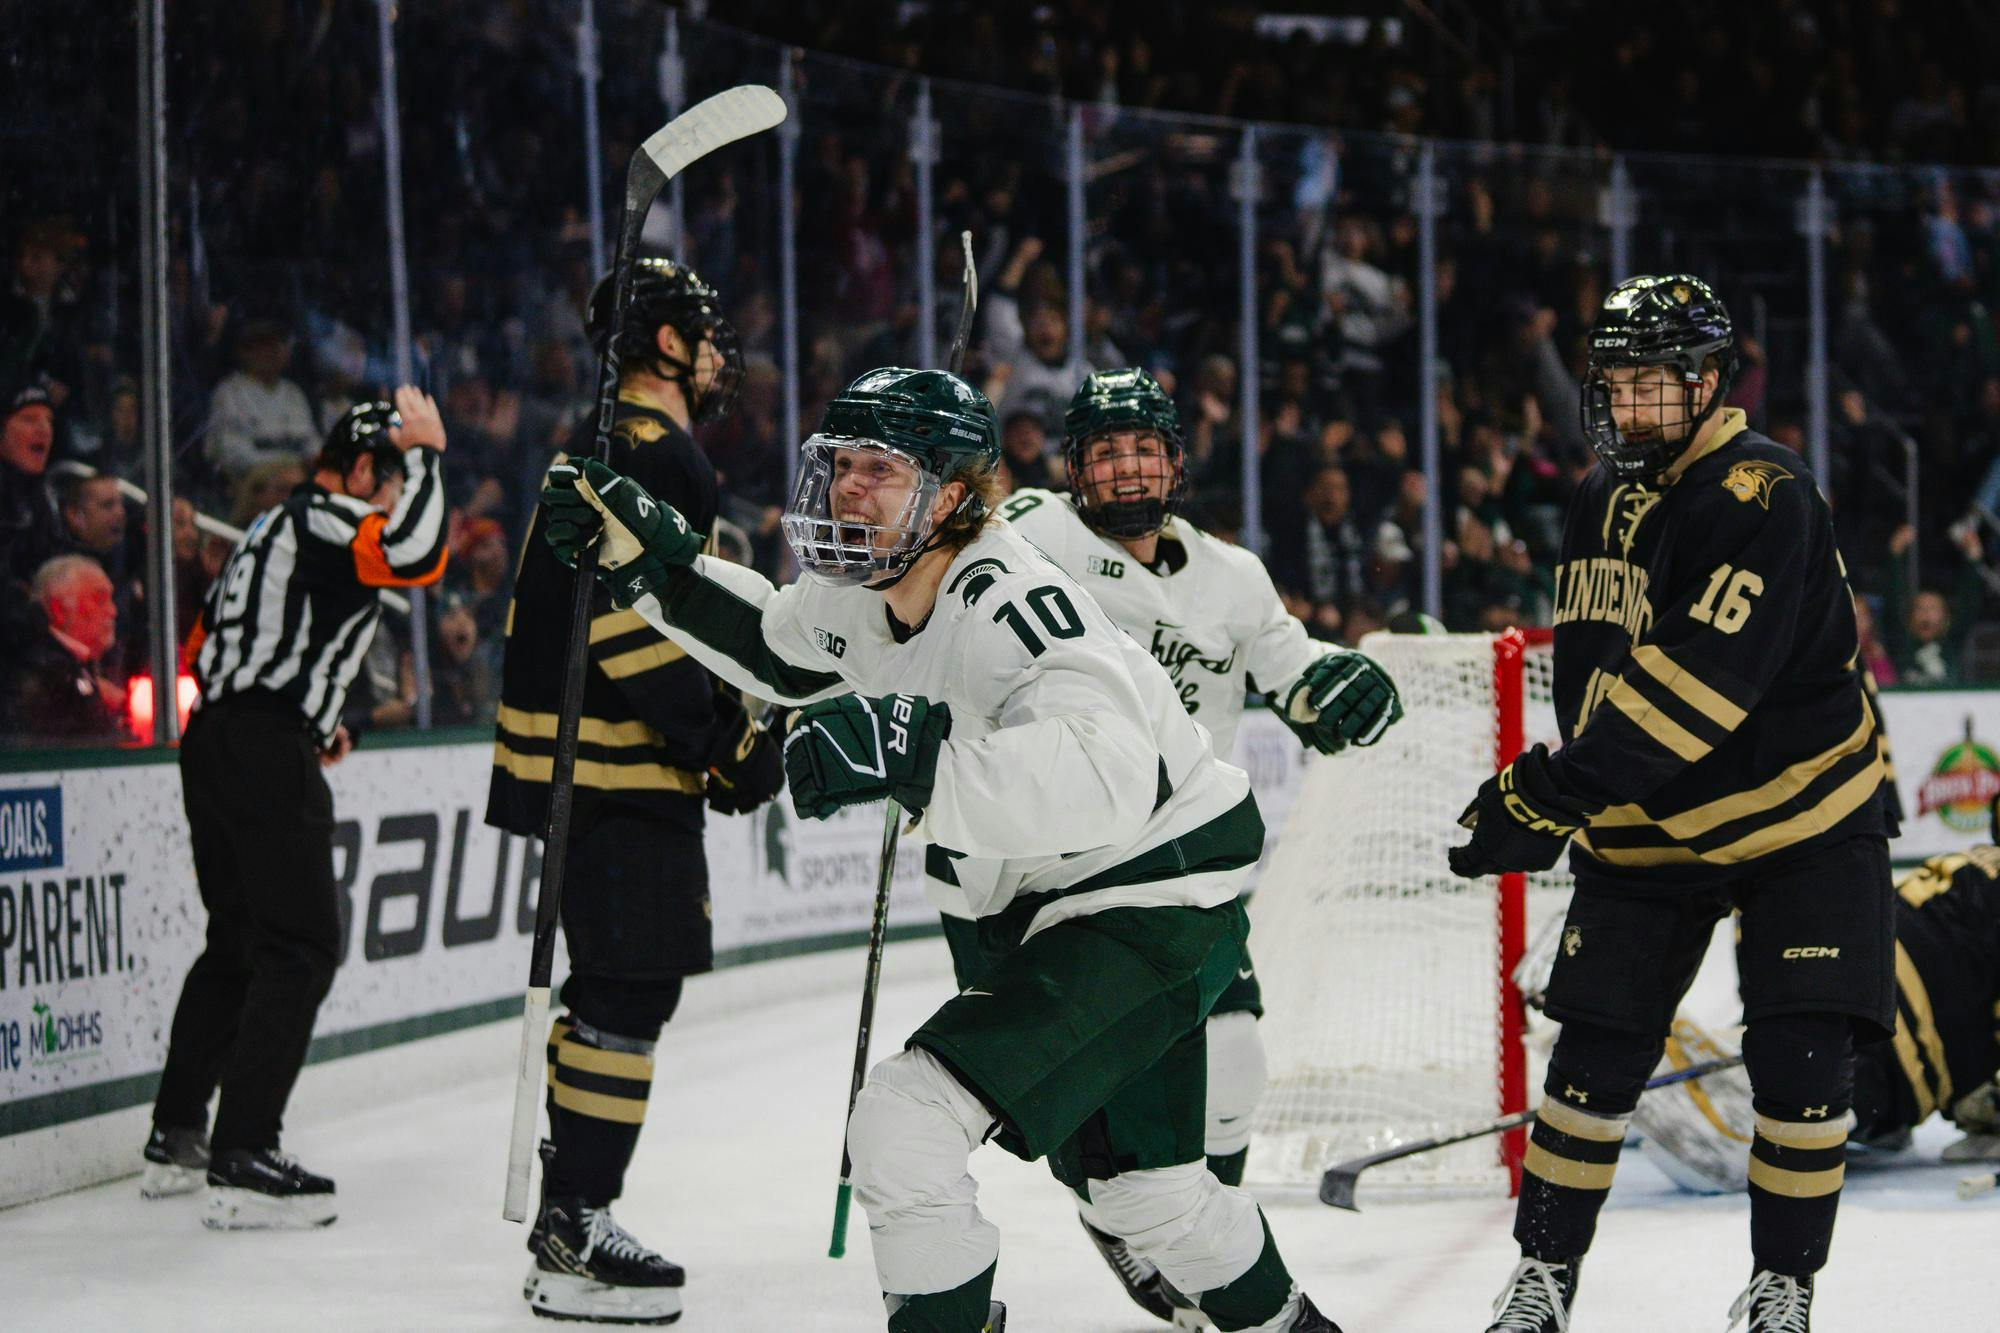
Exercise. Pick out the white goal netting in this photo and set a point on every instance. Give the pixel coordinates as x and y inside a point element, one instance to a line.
<point>1382,971</point>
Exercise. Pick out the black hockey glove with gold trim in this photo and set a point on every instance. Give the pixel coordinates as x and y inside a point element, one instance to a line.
<point>1518,821</point>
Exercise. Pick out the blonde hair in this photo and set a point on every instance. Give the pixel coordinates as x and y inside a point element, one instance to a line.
<point>983,490</point>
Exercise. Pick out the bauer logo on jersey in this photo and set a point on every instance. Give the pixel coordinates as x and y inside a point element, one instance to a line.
<point>1109,568</point>
<point>1754,479</point>
<point>833,645</point>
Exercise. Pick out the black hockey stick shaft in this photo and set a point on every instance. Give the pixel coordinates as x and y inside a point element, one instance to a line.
<point>886,875</point>
<point>721,119</point>
<point>1336,1187</point>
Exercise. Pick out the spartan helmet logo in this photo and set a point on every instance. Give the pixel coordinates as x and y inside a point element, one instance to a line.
<point>1754,479</point>
<point>1572,941</point>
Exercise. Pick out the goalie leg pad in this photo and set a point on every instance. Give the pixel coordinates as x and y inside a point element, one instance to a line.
<point>913,1130</point>
<point>1698,1131</point>
<point>1801,1070</point>
<point>1236,1073</point>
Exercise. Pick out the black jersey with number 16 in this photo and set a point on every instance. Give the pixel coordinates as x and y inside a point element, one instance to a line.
<point>1705,680</point>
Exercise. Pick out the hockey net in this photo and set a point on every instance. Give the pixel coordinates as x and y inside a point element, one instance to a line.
<point>1390,1011</point>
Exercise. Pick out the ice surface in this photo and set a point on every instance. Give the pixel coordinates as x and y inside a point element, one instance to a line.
<point>735,1180</point>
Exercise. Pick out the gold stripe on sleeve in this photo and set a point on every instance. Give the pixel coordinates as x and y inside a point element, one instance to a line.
<point>1710,702</point>
<point>1669,733</point>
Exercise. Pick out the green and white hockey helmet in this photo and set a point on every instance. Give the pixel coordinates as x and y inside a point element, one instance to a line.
<point>1131,495</point>
<point>888,443</point>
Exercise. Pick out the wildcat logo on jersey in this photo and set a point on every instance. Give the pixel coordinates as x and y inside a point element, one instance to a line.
<point>833,645</point>
<point>1754,479</point>
<point>975,579</point>
<point>1110,569</point>
<point>640,430</point>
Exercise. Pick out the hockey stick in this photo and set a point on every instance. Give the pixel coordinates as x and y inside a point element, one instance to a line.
<point>695,133</point>
<point>878,926</point>
<point>1336,1187</point>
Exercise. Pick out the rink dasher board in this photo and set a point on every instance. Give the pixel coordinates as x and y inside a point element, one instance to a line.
<point>99,916</point>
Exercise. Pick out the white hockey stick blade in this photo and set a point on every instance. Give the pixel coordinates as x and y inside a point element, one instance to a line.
<point>735,113</point>
<point>528,1078</point>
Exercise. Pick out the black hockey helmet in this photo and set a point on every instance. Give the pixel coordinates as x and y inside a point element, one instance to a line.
<point>666,291</point>
<point>1117,400</point>
<point>363,429</point>
<point>1676,322</point>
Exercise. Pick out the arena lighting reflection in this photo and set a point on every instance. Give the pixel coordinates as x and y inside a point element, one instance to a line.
<point>139,703</point>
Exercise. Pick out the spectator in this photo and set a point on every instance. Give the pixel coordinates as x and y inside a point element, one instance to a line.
<point>481,562</point>
<point>1028,345</point>
<point>93,519</point>
<point>256,414</point>
<point>1325,561</point>
<point>267,483</point>
<point>463,674</point>
<point>1874,657</point>
<point>55,692</point>
<point>1024,453</point>
<point>1928,631</point>
<point>28,530</point>
<point>38,340</point>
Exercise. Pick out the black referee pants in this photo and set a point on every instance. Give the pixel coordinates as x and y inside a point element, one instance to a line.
<point>260,816</point>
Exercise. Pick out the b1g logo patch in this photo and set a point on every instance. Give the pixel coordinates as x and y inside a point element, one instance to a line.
<point>833,645</point>
<point>1110,569</point>
<point>1754,479</point>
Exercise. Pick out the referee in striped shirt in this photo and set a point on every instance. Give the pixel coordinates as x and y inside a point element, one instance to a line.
<point>281,636</point>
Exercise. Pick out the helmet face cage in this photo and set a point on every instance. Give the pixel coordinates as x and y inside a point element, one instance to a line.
<point>1673,326</point>
<point>1138,516</point>
<point>844,552</point>
<point>668,294</point>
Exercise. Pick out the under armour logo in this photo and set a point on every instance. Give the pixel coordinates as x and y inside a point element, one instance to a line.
<point>1580,1098</point>
<point>1816,1112</point>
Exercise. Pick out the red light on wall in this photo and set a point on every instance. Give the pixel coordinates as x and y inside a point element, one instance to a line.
<point>139,703</point>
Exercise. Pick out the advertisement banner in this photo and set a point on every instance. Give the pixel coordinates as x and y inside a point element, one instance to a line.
<point>1946,746</point>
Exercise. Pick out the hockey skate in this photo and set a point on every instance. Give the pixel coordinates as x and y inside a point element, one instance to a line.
<point>1774,1303</point>
<point>1310,1320</point>
<point>1142,1280</point>
<point>176,1162</point>
<point>1537,1298</point>
<point>261,1189</point>
<point>589,1268</point>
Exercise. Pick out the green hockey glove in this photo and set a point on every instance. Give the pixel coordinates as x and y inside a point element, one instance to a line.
<point>640,540</point>
<point>1518,821</point>
<point>853,750</point>
<point>1344,698</point>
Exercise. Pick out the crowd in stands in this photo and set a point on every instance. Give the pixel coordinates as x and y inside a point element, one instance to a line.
<point>279,286</point>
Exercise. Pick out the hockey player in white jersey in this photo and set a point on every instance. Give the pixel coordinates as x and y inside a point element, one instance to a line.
<point>937,659</point>
<point>1208,613</point>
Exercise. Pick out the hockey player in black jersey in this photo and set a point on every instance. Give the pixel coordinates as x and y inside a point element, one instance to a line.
<point>1717,753</point>
<point>659,742</point>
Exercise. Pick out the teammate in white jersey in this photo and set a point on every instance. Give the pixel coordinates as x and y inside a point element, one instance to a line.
<point>1208,613</point>
<point>939,660</point>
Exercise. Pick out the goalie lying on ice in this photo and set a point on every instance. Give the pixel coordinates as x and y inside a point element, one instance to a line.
<point>938,660</point>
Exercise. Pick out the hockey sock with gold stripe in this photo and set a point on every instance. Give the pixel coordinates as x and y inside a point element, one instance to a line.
<point>1799,1068</point>
<point>598,1086</point>
<point>1572,1156</point>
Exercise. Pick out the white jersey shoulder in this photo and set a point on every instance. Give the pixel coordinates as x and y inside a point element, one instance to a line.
<point>1212,619</point>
